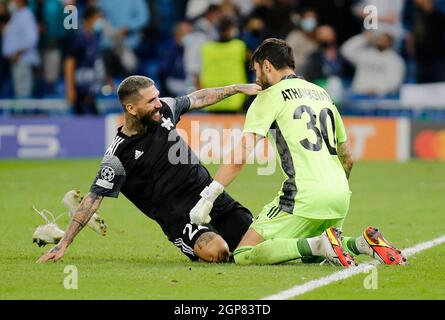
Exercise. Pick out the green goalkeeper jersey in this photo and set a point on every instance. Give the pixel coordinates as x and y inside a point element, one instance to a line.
<point>306,127</point>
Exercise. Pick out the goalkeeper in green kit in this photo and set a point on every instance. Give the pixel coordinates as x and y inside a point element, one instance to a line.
<point>305,219</point>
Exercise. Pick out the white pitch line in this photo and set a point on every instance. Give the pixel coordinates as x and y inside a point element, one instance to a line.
<point>347,273</point>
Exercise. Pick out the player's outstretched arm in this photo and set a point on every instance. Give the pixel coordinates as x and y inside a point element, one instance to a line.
<point>206,97</point>
<point>200,214</point>
<point>232,166</point>
<point>344,154</point>
<point>89,205</point>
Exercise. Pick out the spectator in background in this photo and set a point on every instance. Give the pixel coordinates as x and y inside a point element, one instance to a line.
<point>204,30</point>
<point>337,14</point>
<point>20,39</point>
<point>81,5</point>
<point>245,7</point>
<point>326,61</point>
<point>83,72</point>
<point>53,37</point>
<point>302,40</point>
<point>224,63</point>
<point>326,67</point>
<point>4,63</point>
<point>164,15</point>
<point>389,17</point>
<point>127,19</point>
<point>171,68</point>
<point>230,9</point>
<point>425,20</point>
<point>277,15</point>
<point>379,70</point>
<point>439,5</point>
<point>254,33</point>
<point>197,8</point>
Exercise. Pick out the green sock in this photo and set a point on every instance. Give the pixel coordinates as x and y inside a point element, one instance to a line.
<point>309,250</point>
<point>269,252</point>
<point>349,244</point>
<point>304,248</point>
<point>242,255</point>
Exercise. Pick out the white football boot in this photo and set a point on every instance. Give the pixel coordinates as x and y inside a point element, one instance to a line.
<point>72,200</point>
<point>49,233</point>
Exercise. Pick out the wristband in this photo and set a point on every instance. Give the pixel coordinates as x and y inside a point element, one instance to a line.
<point>213,191</point>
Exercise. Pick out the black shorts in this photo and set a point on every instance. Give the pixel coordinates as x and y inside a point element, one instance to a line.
<point>229,221</point>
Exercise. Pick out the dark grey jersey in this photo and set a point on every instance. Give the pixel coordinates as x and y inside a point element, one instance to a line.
<point>156,171</point>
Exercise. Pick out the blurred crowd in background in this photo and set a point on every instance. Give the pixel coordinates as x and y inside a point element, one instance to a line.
<point>186,45</point>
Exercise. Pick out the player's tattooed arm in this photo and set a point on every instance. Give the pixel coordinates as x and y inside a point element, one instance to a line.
<point>206,97</point>
<point>344,154</point>
<point>87,208</point>
<point>85,211</point>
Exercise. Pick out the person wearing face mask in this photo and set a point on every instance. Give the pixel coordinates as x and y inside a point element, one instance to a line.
<point>84,72</point>
<point>326,62</point>
<point>20,39</point>
<point>379,69</point>
<point>301,40</point>
<point>253,33</point>
<point>224,62</point>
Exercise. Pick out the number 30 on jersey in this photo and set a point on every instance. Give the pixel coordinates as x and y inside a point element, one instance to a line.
<point>321,133</point>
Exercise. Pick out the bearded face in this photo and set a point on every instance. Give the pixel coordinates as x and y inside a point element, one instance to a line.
<point>149,117</point>
<point>261,77</point>
<point>147,109</point>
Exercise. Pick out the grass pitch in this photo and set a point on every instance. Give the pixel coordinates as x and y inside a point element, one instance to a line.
<point>135,260</point>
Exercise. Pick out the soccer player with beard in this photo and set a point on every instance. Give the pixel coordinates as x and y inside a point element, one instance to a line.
<point>305,218</point>
<point>155,169</point>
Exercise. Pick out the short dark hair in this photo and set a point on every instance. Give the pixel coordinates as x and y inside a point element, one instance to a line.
<point>213,8</point>
<point>90,12</point>
<point>225,24</point>
<point>129,88</point>
<point>276,51</point>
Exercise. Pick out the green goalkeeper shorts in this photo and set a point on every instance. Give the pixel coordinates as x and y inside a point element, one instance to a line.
<point>272,223</point>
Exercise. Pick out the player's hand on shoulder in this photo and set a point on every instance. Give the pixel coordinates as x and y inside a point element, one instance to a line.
<point>251,89</point>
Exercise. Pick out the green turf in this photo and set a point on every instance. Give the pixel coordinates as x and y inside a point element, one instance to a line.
<point>135,261</point>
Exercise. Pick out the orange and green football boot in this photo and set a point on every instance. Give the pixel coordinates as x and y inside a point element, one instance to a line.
<point>333,250</point>
<point>381,249</point>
